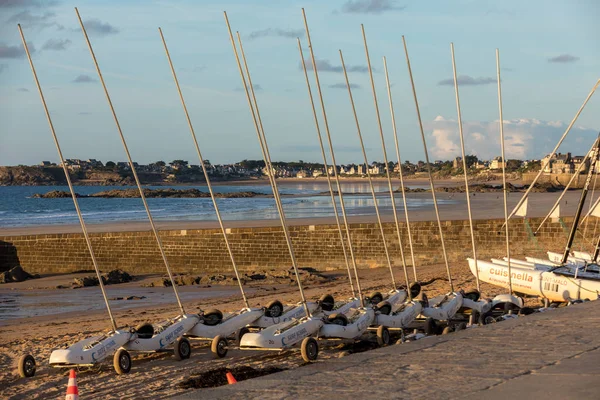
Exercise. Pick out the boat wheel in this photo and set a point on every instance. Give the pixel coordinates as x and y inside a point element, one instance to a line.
<point>430,326</point>
<point>487,318</point>
<point>26,366</point>
<point>447,330</point>
<point>383,336</point>
<point>274,309</point>
<point>182,349</point>
<point>219,347</point>
<point>376,298</point>
<point>241,332</point>
<point>309,349</point>
<point>122,362</point>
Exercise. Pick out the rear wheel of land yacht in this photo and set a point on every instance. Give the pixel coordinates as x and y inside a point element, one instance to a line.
<point>241,332</point>
<point>122,362</point>
<point>383,336</point>
<point>309,349</point>
<point>430,326</point>
<point>182,349</point>
<point>219,347</point>
<point>26,366</point>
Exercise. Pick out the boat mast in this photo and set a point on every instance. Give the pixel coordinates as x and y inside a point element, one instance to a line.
<point>385,160</point>
<point>432,186</point>
<point>328,175</point>
<point>254,110</point>
<point>205,172</point>
<point>401,175</point>
<point>504,190</point>
<point>68,178</point>
<point>132,166</point>
<point>366,161</point>
<point>464,161</point>
<point>580,209</point>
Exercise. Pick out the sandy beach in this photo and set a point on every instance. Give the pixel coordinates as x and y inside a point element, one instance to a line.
<point>160,375</point>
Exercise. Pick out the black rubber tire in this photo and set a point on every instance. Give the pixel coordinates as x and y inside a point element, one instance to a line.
<point>460,327</point>
<point>219,347</point>
<point>376,297</point>
<point>383,336</point>
<point>384,308</point>
<point>447,330</point>
<point>240,332</point>
<point>274,309</point>
<point>430,326</point>
<point>327,302</point>
<point>487,318</point>
<point>474,318</point>
<point>182,349</point>
<point>526,311</point>
<point>26,366</point>
<point>212,317</point>
<point>309,349</point>
<point>472,294</point>
<point>338,319</point>
<point>122,362</point>
<point>415,289</point>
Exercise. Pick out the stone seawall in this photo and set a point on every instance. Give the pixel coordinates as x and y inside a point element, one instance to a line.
<point>317,246</point>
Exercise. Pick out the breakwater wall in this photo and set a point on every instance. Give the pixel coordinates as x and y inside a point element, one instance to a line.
<point>317,246</point>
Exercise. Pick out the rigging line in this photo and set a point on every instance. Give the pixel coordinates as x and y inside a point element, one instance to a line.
<point>464,160</point>
<point>137,180</point>
<point>266,157</point>
<point>208,183</point>
<point>408,229</point>
<point>68,178</point>
<point>373,195</point>
<point>332,152</point>
<point>333,201</point>
<point>435,205</point>
<point>385,160</point>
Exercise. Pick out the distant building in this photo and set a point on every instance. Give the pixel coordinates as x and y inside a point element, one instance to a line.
<point>497,163</point>
<point>45,164</point>
<point>457,163</point>
<point>302,174</point>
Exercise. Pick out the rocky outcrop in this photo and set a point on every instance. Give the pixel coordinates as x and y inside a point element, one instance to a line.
<point>113,277</point>
<point>149,193</point>
<point>307,275</point>
<point>31,176</point>
<point>16,274</point>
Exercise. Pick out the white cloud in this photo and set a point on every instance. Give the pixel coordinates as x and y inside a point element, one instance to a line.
<point>524,138</point>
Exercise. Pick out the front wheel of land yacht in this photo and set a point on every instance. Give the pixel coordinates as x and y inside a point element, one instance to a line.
<point>309,349</point>
<point>26,366</point>
<point>182,349</point>
<point>446,330</point>
<point>376,298</point>
<point>384,307</point>
<point>338,319</point>
<point>487,318</point>
<point>327,302</point>
<point>383,336</point>
<point>241,332</point>
<point>212,317</point>
<point>274,309</point>
<point>122,362</point>
<point>219,347</point>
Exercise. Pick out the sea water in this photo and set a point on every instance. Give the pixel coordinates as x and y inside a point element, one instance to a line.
<point>19,209</point>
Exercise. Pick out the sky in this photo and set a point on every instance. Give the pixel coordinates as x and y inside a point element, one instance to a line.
<point>548,53</point>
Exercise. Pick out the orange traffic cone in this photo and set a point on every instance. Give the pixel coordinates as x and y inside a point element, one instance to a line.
<point>72,391</point>
<point>230,379</point>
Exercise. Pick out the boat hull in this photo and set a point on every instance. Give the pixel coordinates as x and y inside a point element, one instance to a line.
<point>353,330</point>
<point>401,319</point>
<point>165,338</point>
<point>85,352</point>
<point>227,327</point>
<point>281,336</point>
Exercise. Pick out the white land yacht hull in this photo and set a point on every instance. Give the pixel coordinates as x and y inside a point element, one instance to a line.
<point>281,336</point>
<point>401,318</point>
<point>90,351</point>
<point>290,313</point>
<point>228,326</point>
<point>444,307</point>
<point>359,322</point>
<point>537,281</point>
<point>164,334</point>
